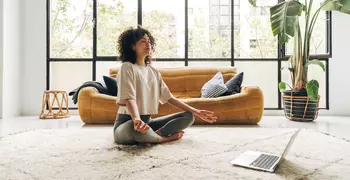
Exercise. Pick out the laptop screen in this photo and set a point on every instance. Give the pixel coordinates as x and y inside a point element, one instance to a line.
<point>290,143</point>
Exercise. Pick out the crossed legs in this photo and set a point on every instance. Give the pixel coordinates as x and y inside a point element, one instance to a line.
<point>162,129</point>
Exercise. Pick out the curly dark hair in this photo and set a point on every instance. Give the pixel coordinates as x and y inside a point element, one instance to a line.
<point>128,38</point>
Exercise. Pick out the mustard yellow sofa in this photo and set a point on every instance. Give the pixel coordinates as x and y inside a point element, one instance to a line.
<point>185,83</point>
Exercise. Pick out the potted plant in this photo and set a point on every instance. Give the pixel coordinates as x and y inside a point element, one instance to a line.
<point>301,99</point>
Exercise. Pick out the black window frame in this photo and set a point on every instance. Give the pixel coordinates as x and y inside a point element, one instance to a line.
<point>280,49</point>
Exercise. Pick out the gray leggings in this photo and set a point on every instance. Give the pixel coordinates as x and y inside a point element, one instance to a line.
<point>124,132</point>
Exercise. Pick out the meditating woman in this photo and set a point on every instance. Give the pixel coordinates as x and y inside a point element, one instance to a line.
<point>140,90</point>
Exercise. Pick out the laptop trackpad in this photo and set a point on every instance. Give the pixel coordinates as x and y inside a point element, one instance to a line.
<point>247,157</point>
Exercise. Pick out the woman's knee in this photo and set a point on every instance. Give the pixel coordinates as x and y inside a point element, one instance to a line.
<point>124,133</point>
<point>189,116</point>
<point>149,137</point>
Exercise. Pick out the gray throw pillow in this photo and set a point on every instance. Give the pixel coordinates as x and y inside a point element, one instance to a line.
<point>111,84</point>
<point>214,87</point>
<point>234,84</point>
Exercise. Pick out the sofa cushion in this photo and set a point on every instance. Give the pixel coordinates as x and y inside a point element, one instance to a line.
<point>111,84</point>
<point>234,84</point>
<point>214,87</point>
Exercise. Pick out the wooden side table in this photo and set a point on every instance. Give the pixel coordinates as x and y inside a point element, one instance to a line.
<point>46,103</point>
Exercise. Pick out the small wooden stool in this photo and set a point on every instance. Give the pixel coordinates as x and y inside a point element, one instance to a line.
<point>47,104</point>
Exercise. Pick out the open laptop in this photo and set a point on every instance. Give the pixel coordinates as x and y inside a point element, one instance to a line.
<point>261,160</point>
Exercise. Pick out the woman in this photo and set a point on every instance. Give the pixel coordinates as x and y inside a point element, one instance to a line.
<point>140,89</point>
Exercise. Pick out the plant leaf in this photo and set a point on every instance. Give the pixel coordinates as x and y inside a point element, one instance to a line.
<point>312,89</point>
<point>282,85</point>
<point>283,17</point>
<point>337,5</point>
<point>252,2</point>
<point>316,62</point>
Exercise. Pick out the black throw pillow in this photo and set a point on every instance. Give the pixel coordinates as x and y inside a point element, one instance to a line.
<point>234,84</point>
<point>111,84</point>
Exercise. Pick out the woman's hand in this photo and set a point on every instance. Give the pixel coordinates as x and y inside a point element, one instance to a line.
<point>140,126</point>
<point>205,115</point>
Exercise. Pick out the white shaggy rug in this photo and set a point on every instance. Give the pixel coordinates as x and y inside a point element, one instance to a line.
<point>203,153</point>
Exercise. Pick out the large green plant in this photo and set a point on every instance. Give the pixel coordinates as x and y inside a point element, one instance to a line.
<point>284,20</point>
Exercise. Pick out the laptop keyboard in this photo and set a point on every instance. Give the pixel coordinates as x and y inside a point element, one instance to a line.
<point>265,161</point>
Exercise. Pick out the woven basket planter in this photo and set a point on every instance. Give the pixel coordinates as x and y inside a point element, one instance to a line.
<point>299,107</point>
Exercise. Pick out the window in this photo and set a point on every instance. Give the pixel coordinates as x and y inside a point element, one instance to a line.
<point>253,43</point>
<point>318,41</point>
<point>113,17</point>
<point>218,63</point>
<point>165,19</point>
<point>212,41</point>
<point>75,74</point>
<point>82,40</point>
<point>71,29</point>
<point>225,10</point>
<point>262,74</point>
<point>254,25</point>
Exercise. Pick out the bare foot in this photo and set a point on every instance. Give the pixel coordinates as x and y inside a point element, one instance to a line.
<point>173,137</point>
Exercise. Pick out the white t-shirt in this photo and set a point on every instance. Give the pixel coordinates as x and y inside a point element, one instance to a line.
<point>144,84</point>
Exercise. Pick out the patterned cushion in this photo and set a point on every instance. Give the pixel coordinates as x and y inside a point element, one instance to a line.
<point>214,87</point>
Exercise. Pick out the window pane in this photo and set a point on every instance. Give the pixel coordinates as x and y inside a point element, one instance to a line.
<point>318,40</point>
<point>71,29</point>
<point>214,2</point>
<point>68,76</point>
<point>254,24</point>
<point>165,19</point>
<point>236,10</point>
<point>103,67</point>
<point>225,21</point>
<point>211,41</point>
<point>225,10</point>
<point>214,19</point>
<point>113,17</point>
<point>318,74</point>
<point>225,2</point>
<point>315,72</point>
<point>214,10</point>
<point>168,64</point>
<point>263,75</point>
<point>210,63</point>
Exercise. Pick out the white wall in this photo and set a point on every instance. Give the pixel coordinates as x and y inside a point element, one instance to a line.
<point>34,55</point>
<point>12,53</point>
<point>339,66</point>
<point>34,61</point>
<point>1,56</point>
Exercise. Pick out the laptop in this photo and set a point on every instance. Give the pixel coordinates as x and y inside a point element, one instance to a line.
<point>261,160</point>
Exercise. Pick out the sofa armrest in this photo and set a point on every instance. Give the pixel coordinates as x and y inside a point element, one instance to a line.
<point>251,89</point>
<point>91,92</point>
<point>84,103</point>
<point>253,92</point>
<point>87,92</point>
<point>95,107</point>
